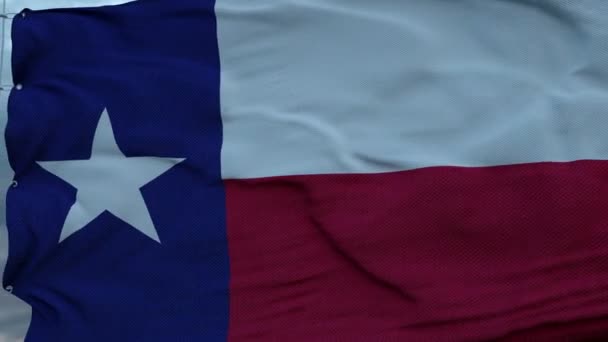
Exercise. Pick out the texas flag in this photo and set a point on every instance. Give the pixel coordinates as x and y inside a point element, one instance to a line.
<point>311,170</point>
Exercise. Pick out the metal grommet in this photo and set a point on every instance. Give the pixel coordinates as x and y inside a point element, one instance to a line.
<point>23,14</point>
<point>18,86</point>
<point>9,289</point>
<point>14,184</point>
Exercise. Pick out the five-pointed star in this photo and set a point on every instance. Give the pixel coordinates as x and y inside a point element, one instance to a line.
<point>109,181</point>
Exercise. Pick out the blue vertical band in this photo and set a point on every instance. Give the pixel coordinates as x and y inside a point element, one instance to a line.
<point>154,65</point>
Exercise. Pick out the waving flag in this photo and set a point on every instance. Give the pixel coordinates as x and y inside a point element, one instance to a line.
<point>299,170</point>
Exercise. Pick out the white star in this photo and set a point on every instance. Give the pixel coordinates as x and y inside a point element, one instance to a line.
<point>109,181</point>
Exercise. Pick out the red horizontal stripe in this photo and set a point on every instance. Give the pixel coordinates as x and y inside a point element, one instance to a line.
<point>588,330</point>
<point>443,253</point>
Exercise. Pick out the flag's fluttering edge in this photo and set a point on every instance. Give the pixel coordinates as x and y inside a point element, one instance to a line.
<point>271,170</point>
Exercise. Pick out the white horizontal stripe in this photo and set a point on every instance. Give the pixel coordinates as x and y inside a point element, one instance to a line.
<point>337,86</point>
